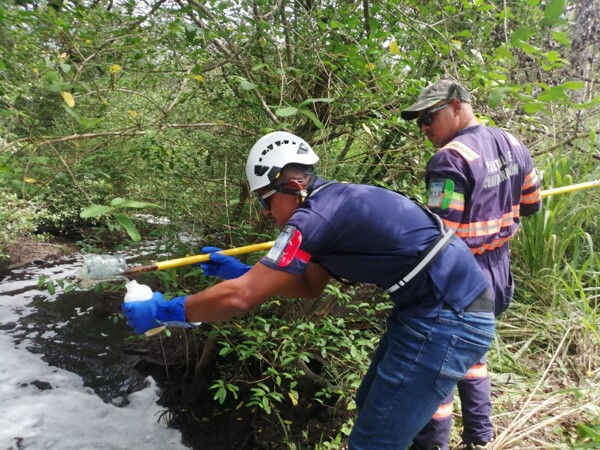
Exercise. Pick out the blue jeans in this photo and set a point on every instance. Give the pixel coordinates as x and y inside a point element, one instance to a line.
<point>416,365</point>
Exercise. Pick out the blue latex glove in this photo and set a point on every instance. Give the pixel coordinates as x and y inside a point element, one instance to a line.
<point>147,314</point>
<point>223,266</point>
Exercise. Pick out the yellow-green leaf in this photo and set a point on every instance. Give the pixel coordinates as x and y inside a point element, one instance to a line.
<point>68,98</point>
<point>456,43</point>
<point>115,68</point>
<point>293,398</point>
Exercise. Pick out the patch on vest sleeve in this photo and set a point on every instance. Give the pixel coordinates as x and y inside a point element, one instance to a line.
<point>287,247</point>
<point>448,194</point>
<point>436,190</point>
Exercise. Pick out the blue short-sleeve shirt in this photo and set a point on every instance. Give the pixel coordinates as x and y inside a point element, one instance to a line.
<point>369,234</point>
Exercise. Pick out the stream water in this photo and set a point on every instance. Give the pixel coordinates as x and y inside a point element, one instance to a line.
<point>65,381</point>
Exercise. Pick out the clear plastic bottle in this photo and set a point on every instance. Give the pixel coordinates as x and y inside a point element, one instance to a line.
<point>137,292</point>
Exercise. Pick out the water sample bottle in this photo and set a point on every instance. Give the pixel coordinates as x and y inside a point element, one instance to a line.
<point>137,292</point>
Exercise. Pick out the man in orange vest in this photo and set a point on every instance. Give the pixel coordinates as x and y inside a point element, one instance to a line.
<point>480,181</point>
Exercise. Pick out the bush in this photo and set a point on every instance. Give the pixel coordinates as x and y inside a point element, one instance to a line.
<point>17,218</point>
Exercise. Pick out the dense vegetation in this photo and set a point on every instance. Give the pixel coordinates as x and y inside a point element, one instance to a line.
<point>115,110</point>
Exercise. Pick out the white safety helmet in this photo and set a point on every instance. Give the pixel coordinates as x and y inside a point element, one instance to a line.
<point>273,152</point>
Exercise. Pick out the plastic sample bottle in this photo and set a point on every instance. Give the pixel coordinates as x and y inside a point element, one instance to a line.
<point>137,292</point>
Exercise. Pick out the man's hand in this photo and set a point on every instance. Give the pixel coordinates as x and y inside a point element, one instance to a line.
<point>223,266</point>
<point>147,314</point>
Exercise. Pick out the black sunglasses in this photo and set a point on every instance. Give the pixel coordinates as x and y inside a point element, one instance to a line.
<point>427,117</point>
<point>263,199</point>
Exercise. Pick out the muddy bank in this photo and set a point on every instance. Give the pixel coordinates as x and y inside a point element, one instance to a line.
<point>28,250</point>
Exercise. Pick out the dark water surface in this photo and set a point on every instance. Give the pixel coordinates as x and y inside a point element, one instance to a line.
<point>82,353</point>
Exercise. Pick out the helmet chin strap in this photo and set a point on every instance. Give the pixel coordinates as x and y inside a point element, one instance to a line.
<point>302,193</point>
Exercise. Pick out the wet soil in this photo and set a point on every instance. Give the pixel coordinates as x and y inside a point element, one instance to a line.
<point>205,424</point>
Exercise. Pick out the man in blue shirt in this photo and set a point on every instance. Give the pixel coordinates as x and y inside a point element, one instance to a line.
<point>442,321</point>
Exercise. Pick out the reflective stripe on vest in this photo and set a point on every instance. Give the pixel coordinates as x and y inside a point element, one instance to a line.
<point>530,180</point>
<point>443,412</point>
<point>496,243</point>
<point>486,227</point>
<point>513,140</point>
<point>457,201</point>
<point>477,371</point>
<point>534,197</point>
<point>463,150</point>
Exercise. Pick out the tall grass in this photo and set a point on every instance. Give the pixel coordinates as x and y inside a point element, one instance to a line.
<point>547,358</point>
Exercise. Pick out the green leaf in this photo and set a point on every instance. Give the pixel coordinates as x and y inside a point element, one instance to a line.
<point>503,52</point>
<point>135,204</point>
<point>522,34</point>
<point>555,93</point>
<point>316,100</point>
<point>247,86</point>
<point>554,9</point>
<point>552,56</point>
<point>73,114</point>
<point>190,33</point>
<point>561,38</point>
<point>593,102</point>
<point>573,85</point>
<point>528,48</point>
<point>286,112</point>
<point>128,225</point>
<point>312,116</point>
<point>497,95</point>
<point>552,22</point>
<point>95,211</point>
<point>89,123</point>
<point>57,86</point>
<point>534,107</point>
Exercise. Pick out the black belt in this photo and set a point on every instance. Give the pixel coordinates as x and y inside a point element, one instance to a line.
<point>480,304</point>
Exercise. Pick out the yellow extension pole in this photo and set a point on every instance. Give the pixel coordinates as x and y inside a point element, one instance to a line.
<point>188,260</point>
<point>571,188</point>
<point>206,257</point>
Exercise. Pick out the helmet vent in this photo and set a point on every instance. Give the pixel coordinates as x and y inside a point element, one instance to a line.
<point>260,170</point>
<point>302,149</point>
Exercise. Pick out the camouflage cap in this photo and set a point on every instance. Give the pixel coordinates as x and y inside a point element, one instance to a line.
<point>440,90</point>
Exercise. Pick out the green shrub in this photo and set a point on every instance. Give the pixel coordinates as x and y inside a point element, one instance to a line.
<point>17,218</point>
